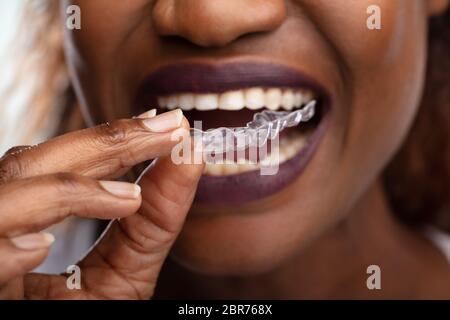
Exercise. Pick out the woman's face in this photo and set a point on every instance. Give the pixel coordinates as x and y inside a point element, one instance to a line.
<point>130,54</point>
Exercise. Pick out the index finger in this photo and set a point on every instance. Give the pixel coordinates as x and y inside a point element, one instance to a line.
<point>108,150</point>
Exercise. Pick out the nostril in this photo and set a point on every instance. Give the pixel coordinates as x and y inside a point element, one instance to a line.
<point>216,23</point>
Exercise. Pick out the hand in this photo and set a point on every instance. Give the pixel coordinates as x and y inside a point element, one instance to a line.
<point>42,185</point>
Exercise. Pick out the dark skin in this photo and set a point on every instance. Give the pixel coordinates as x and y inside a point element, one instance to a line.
<point>325,229</point>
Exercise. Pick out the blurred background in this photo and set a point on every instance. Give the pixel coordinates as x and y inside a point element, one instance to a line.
<point>10,128</point>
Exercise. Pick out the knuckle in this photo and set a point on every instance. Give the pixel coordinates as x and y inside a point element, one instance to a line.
<point>67,182</point>
<point>11,168</point>
<point>17,149</point>
<point>112,134</point>
<point>71,193</point>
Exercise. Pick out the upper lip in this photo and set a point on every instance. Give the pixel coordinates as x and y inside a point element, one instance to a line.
<point>200,77</point>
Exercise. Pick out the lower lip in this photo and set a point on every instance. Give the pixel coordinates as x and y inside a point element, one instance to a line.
<point>252,186</point>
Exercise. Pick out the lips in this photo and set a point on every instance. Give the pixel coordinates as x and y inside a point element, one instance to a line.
<point>228,95</point>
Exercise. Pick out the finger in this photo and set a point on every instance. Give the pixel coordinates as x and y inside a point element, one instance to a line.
<point>16,149</point>
<point>52,287</point>
<point>22,254</point>
<point>148,114</point>
<point>12,290</point>
<point>136,247</point>
<point>100,152</point>
<point>32,204</point>
<point>133,250</point>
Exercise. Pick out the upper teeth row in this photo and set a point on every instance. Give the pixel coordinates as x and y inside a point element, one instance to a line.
<point>253,99</point>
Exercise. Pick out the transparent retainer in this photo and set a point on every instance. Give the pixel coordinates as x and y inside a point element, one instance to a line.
<point>264,126</point>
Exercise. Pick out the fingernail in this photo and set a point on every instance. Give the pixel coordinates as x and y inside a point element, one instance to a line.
<point>165,122</point>
<point>148,114</point>
<point>122,189</point>
<point>34,241</point>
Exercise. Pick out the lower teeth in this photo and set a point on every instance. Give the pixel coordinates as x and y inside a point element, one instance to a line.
<point>288,148</point>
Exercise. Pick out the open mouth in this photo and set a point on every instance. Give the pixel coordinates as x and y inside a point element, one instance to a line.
<point>229,95</point>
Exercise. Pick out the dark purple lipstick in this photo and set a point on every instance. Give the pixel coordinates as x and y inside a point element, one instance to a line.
<point>217,78</point>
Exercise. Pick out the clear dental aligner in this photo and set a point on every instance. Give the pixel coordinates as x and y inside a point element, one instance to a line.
<point>264,126</point>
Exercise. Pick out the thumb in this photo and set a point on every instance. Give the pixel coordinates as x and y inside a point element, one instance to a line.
<point>131,254</point>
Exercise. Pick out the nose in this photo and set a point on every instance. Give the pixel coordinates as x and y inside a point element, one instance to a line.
<point>215,23</point>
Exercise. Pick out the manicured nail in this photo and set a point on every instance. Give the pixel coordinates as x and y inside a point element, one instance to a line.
<point>165,122</point>
<point>122,189</point>
<point>148,114</point>
<point>34,241</point>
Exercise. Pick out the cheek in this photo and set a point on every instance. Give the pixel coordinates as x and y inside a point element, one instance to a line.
<point>385,82</point>
<point>95,54</point>
<point>345,25</point>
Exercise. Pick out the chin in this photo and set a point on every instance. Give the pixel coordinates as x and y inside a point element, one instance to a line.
<point>225,260</point>
<point>247,244</point>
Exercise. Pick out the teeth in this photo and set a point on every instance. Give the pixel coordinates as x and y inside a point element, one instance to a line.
<point>214,169</point>
<point>162,102</point>
<point>230,169</point>
<point>298,99</point>
<point>248,166</point>
<point>172,102</point>
<point>289,147</point>
<point>307,96</point>
<point>252,98</point>
<point>273,99</point>
<point>206,102</point>
<point>287,100</point>
<point>233,100</point>
<point>186,101</point>
<point>282,157</point>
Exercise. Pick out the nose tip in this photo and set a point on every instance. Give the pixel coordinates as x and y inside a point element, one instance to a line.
<point>215,23</point>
